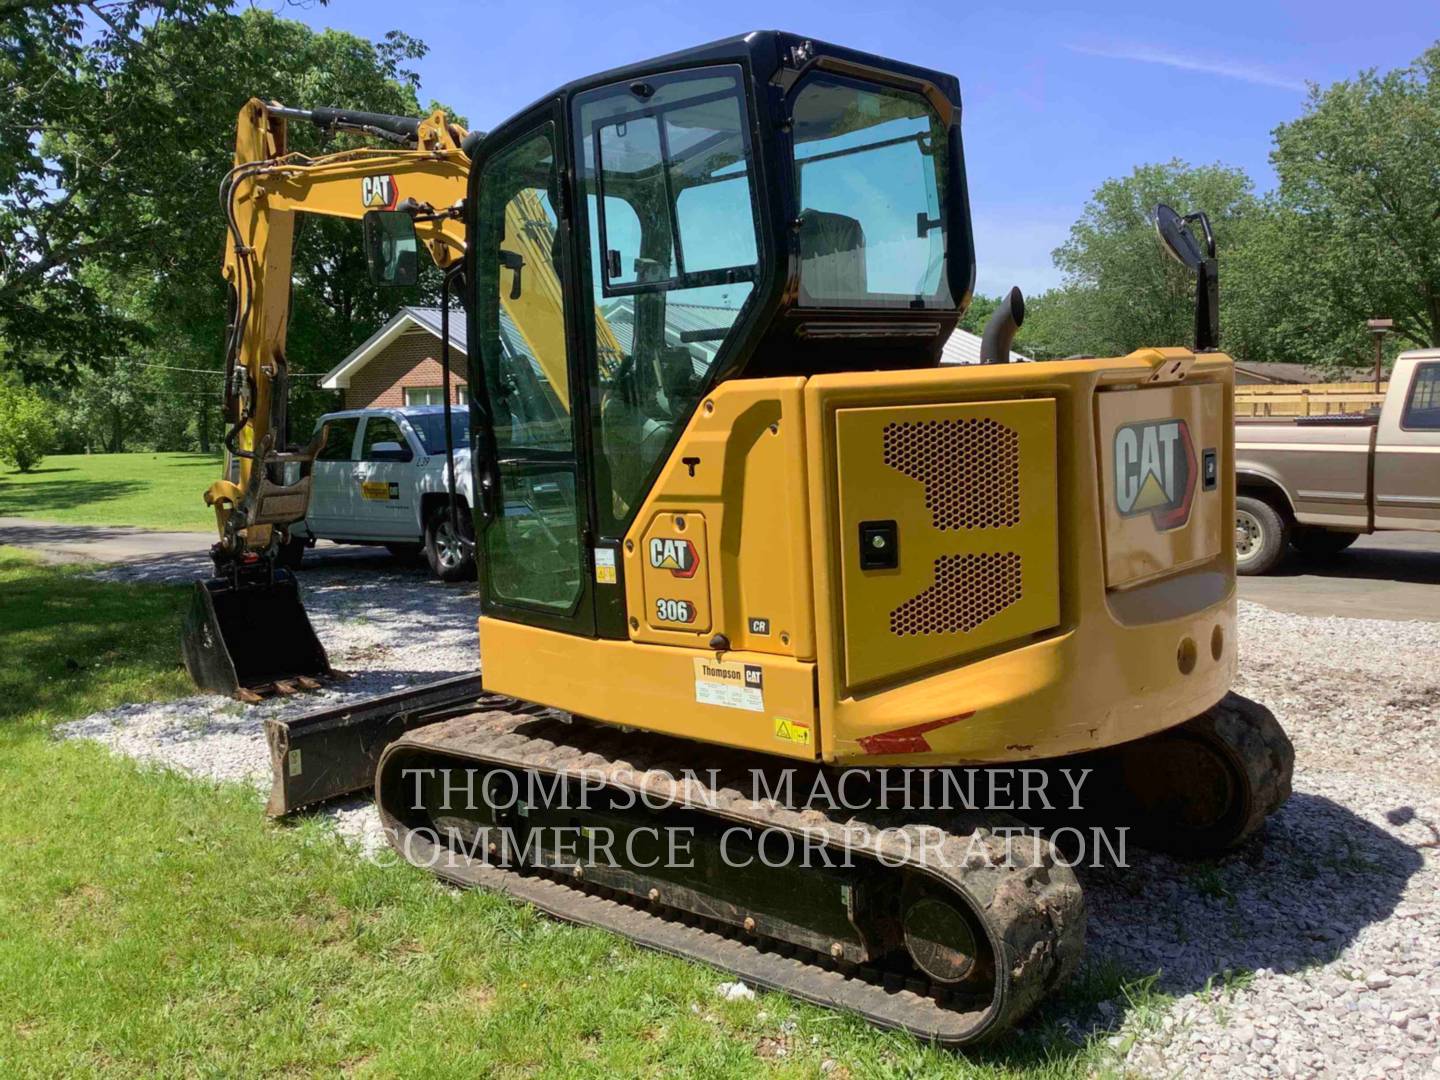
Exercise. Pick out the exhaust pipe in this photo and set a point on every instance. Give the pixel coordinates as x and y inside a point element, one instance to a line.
<point>1000,330</point>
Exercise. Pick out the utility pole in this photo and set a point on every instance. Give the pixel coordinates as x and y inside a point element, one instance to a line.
<point>1378,329</point>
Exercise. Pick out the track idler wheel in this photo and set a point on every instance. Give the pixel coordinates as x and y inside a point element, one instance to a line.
<point>940,939</point>
<point>1203,787</point>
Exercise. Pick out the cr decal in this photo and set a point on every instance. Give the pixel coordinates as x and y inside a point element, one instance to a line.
<point>673,554</point>
<point>378,192</point>
<point>1155,471</point>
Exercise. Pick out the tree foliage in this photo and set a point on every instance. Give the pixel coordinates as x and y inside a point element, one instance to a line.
<point>1352,232</point>
<point>109,219</point>
<point>27,425</point>
<point>1121,290</point>
<point>1360,173</point>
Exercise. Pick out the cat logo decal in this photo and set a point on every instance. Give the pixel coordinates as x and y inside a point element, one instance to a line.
<point>379,192</point>
<point>677,556</point>
<point>1155,472</point>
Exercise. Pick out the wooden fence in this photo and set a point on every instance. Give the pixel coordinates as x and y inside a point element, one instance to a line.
<point>1308,399</point>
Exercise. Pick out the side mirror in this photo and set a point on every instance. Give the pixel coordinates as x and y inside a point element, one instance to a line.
<point>392,250</point>
<point>1178,239</point>
<point>389,451</point>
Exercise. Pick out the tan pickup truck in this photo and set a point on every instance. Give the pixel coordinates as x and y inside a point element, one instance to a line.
<point>1316,483</point>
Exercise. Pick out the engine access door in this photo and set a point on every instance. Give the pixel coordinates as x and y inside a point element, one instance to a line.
<point>948,533</point>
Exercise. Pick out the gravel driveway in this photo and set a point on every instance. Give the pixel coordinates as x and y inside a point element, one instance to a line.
<point>1315,951</point>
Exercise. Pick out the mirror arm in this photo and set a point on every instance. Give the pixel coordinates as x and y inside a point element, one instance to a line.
<point>1207,305</point>
<point>452,273</point>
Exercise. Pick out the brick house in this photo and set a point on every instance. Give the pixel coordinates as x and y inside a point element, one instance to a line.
<point>400,363</point>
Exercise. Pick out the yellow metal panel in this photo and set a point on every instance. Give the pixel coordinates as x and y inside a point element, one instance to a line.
<point>750,700</point>
<point>1159,511</point>
<point>1107,673</point>
<point>971,488</point>
<point>741,464</point>
<point>676,576</point>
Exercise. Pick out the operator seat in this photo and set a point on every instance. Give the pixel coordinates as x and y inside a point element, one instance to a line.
<point>832,256</point>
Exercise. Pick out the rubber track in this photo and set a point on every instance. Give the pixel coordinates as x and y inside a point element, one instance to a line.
<point>1033,911</point>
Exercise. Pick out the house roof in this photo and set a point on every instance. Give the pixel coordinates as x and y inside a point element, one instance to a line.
<point>407,318</point>
<point>1269,371</point>
<point>963,347</point>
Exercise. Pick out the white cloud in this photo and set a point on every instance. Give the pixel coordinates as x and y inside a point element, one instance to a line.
<point>1145,54</point>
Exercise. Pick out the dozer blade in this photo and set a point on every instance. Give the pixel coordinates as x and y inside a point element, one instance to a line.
<point>241,640</point>
<point>333,752</point>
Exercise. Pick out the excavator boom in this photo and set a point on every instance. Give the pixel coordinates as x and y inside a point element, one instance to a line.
<point>247,632</point>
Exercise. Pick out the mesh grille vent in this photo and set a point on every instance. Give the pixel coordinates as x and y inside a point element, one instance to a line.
<point>970,469</point>
<point>968,589</point>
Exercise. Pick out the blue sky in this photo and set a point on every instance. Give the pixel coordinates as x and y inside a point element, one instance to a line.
<point>1058,97</point>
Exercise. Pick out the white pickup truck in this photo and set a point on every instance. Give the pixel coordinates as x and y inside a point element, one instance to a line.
<point>380,479</point>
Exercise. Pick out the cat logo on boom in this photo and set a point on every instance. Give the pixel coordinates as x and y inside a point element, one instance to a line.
<point>677,556</point>
<point>378,192</point>
<point>1155,471</point>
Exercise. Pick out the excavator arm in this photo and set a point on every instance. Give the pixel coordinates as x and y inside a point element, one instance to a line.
<point>247,632</point>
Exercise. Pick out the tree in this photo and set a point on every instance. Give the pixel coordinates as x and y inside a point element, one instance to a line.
<point>133,130</point>
<point>1121,291</point>
<point>60,201</point>
<point>1360,184</point>
<point>27,424</point>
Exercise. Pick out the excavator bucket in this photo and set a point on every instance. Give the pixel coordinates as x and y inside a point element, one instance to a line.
<point>250,638</point>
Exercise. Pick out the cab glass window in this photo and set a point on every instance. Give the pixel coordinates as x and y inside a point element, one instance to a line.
<point>871,184</point>
<point>339,439</point>
<point>667,173</point>
<point>381,429</point>
<point>1422,411</point>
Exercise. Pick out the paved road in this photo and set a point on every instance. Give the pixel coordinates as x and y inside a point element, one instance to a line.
<point>1384,576</point>
<point>57,542</point>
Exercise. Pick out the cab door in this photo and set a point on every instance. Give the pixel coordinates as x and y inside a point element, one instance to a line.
<point>533,523</point>
<point>331,512</point>
<point>1407,454</point>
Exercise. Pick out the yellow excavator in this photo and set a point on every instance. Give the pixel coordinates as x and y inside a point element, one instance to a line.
<point>759,579</point>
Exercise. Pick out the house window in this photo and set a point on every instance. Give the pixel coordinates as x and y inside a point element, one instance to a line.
<point>424,395</point>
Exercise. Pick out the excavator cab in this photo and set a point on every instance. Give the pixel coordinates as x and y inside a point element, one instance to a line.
<point>761,206</point>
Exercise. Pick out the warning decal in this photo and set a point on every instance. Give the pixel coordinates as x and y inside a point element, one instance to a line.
<point>730,685</point>
<point>605,566</point>
<point>792,731</point>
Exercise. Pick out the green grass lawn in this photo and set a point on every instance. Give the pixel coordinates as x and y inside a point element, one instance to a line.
<point>156,925</point>
<point>155,491</point>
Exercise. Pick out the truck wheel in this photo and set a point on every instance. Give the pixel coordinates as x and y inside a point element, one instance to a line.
<point>1320,542</point>
<point>450,557</point>
<point>291,553</point>
<point>1261,536</point>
